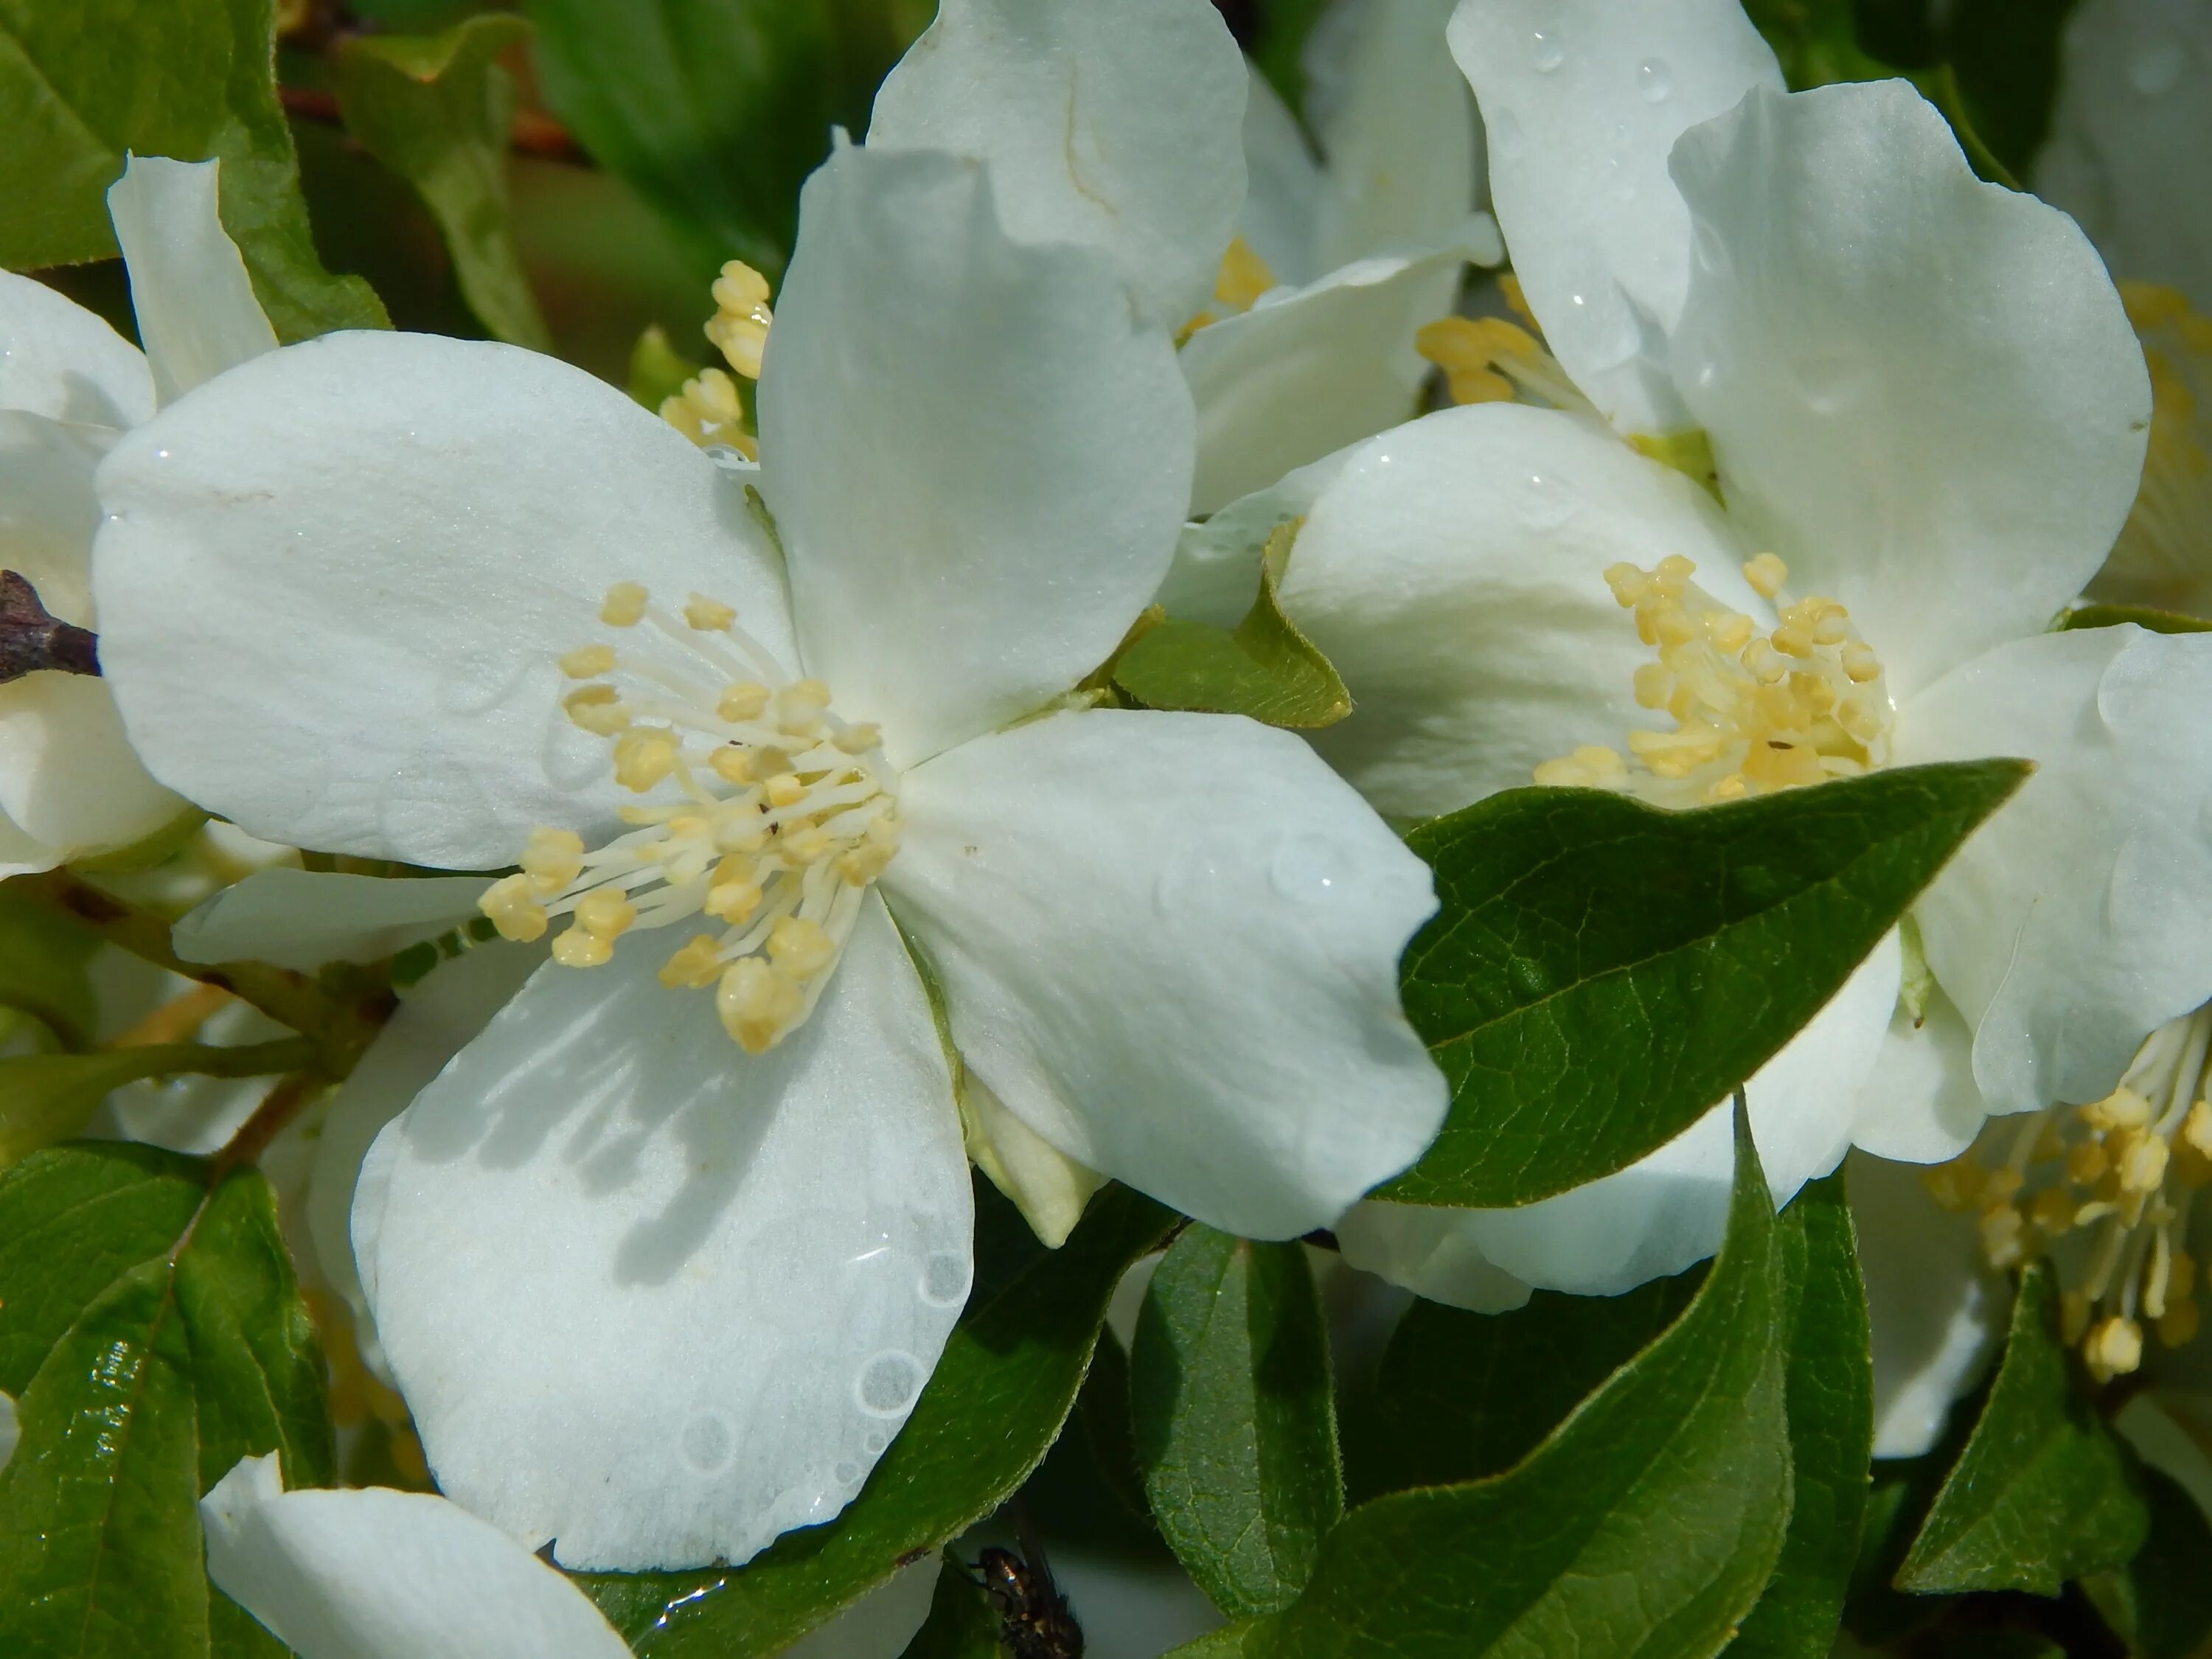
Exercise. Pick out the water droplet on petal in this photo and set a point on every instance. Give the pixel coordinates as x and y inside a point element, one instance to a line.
<point>846,1474</point>
<point>1185,874</point>
<point>707,1443</point>
<point>1547,506</point>
<point>945,1279</point>
<point>2154,68</point>
<point>1545,50</point>
<point>889,1384</point>
<point>1653,80</point>
<point>873,1442</point>
<point>480,681</point>
<point>1310,868</point>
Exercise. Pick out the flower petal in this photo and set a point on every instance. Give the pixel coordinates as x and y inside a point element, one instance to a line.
<point>1169,943</point>
<point>1937,1313</point>
<point>1453,573</point>
<point>2131,125</point>
<point>977,459</point>
<point>60,360</point>
<point>370,1573</point>
<point>1114,123</point>
<point>2073,923</point>
<point>68,774</point>
<point>881,1623</point>
<point>194,302</point>
<point>1215,574</point>
<point>1922,390</point>
<point>302,918</point>
<point>333,587</point>
<point>1580,103</point>
<point>1283,189</point>
<point>1047,1186</point>
<point>1669,1209</point>
<point>1431,1251</point>
<point>704,1289</point>
<point>48,511</point>
<point>1920,1105</point>
<point>437,1019</point>
<point>1308,370</point>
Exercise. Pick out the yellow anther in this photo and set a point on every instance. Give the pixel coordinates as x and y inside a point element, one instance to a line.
<point>1628,582</point>
<point>2114,1348</point>
<point>2002,1185</point>
<point>737,828</point>
<point>511,905</point>
<point>643,757</point>
<point>552,859</point>
<point>2053,1210</point>
<point>1674,571</point>
<point>2002,1230</point>
<point>735,894</point>
<point>1730,788</point>
<point>757,1004</point>
<point>2085,1161</point>
<point>808,844</point>
<point>1730,633</point>
<point>2122,1109</point>
<point>2196,1128</point>
<point>1245,275</point>
<point>579,948</point>
<point>598,709</point>
<point>1766,574</point>
<point>745,701</point>
<point>740,326</point>
<point>1860,663</point>
<point>710,410</point>
<point>1792,641</point>
<point>606,912</point>
<point>785,790</point>
<point>860,739</point>
<point>698,964</point>
<point>625,606</point>
<point>732,763</point>
<point>799,708</point>
<point>1510,286</point>
<point>1653,685</point>
<point>1472,351</point>
<point>708,616</point>
<point>2143,1166</point>
<point>588,660</point>
<point>801,949</point>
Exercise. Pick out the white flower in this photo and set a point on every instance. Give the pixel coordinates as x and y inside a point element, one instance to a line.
<point>1921,392</point>
<point>69,385</point>
<point>653,1293</point>
<point>1117,122</point>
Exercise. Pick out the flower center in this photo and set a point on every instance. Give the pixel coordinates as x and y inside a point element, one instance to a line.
<point>2122,1172</point>
<point>777,815</point>
<point>1754,712</point>
<point>709,409</point>
<point>2166,547</point>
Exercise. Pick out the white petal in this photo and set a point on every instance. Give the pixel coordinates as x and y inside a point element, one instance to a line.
<point>977,459</point>
<point>439,1017</point>
<point>1669,1209</point>
<point>2130,133</point>
<point>1453,573</point>
<point>1922,390</point>
<point>194,302</point>
<point>1937,1312</point>
<point>48,511</point>
<point>370,1573</point>
<point>1282,195</point>
<point>1431,1251</point>
<point>1580,103</point>
<point>302,918</point>
<point>1920,1105</point>
<point>60,360</point>
<point>334,584</point>
<point>1399,141</point>
<point>1309,370</point>
<point>1111,122</point>
<point>881,1623</point>
<point>1170,943</point>
<point>1047,1186</point>
<point>704,1290</point>
<point>1216,573</point>
<point>68,775</point>
<point>2072,925</point>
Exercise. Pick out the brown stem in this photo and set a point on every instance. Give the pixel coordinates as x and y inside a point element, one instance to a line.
<point>31,639</point>
<point>277,1107</point>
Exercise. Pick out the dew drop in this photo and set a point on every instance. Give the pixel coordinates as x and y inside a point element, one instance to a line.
<point>481,681</point>
<point>889,1384</point>
<point>1310,868</point>
<point>707,1443</point>
<point>846,1474</point>
<point>945,1279</point>
<point>1653,80</point>
<point>873,1442</point>
<point>1548,507</point>
<point>2155,69</point>
<point>1545,50</point>
<point>1183,877</point>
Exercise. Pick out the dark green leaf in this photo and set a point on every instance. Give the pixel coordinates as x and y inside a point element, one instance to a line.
<point>2044,1491</point>
<point>2113,615</point>
<point>174,1343</point>
<point>1831,1393</point>
<point>1875,1612</point>
<point>1227,1642</point>
<point>1646,1524</point>
<point>962,1623</point>
<point>1279,48</point>
<point>1452,1400</point>
<point>715,110</point>
<point>2161,1602</point>
<point>1264,667</point>
<point>996,1399</point>
<point>45,1098</point>
<point>657,369</point>
<point>437,112</point>
<point>1236,1422</point>
<point>1601,972</point>
<point>2004,55</point>
<point>192,79</point>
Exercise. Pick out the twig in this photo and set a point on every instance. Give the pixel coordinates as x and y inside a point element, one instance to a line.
<point>277,1107</point>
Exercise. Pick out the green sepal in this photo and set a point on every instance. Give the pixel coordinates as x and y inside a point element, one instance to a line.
<point>2116,616</point>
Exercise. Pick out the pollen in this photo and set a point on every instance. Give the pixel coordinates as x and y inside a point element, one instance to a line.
<point>761,812</point>
<point>1243,278</point>
<point>1488,359</point>
<point>710,411</point>
<point>740,324</point>
<point>1752,712</point>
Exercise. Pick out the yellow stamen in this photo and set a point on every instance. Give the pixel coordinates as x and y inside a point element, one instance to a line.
<point>740,324</point>
<point>625,606</point>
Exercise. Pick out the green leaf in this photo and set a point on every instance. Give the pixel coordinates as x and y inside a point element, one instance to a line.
<point>962,1622</point>
<point>1831,1402</point>
<point>1451,1401</point>
<point>46,1098</point>
<point>156,1335</point>
<point>996,1399</point>
<point>2005,56</point>
<point>715,111</point>
<point>43,959</point>
<point>1235,1421</point>
<point>2044,1491</point>
<point>657,369</point>
<point>1264,667</point>
<point>2113,615</point>
<point>2161,1602</point>
<point>437,112</point>
<point>192,79</point>
<point>1601,972</point>
<point>1279,48</point>
<point>1646,1524</point>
